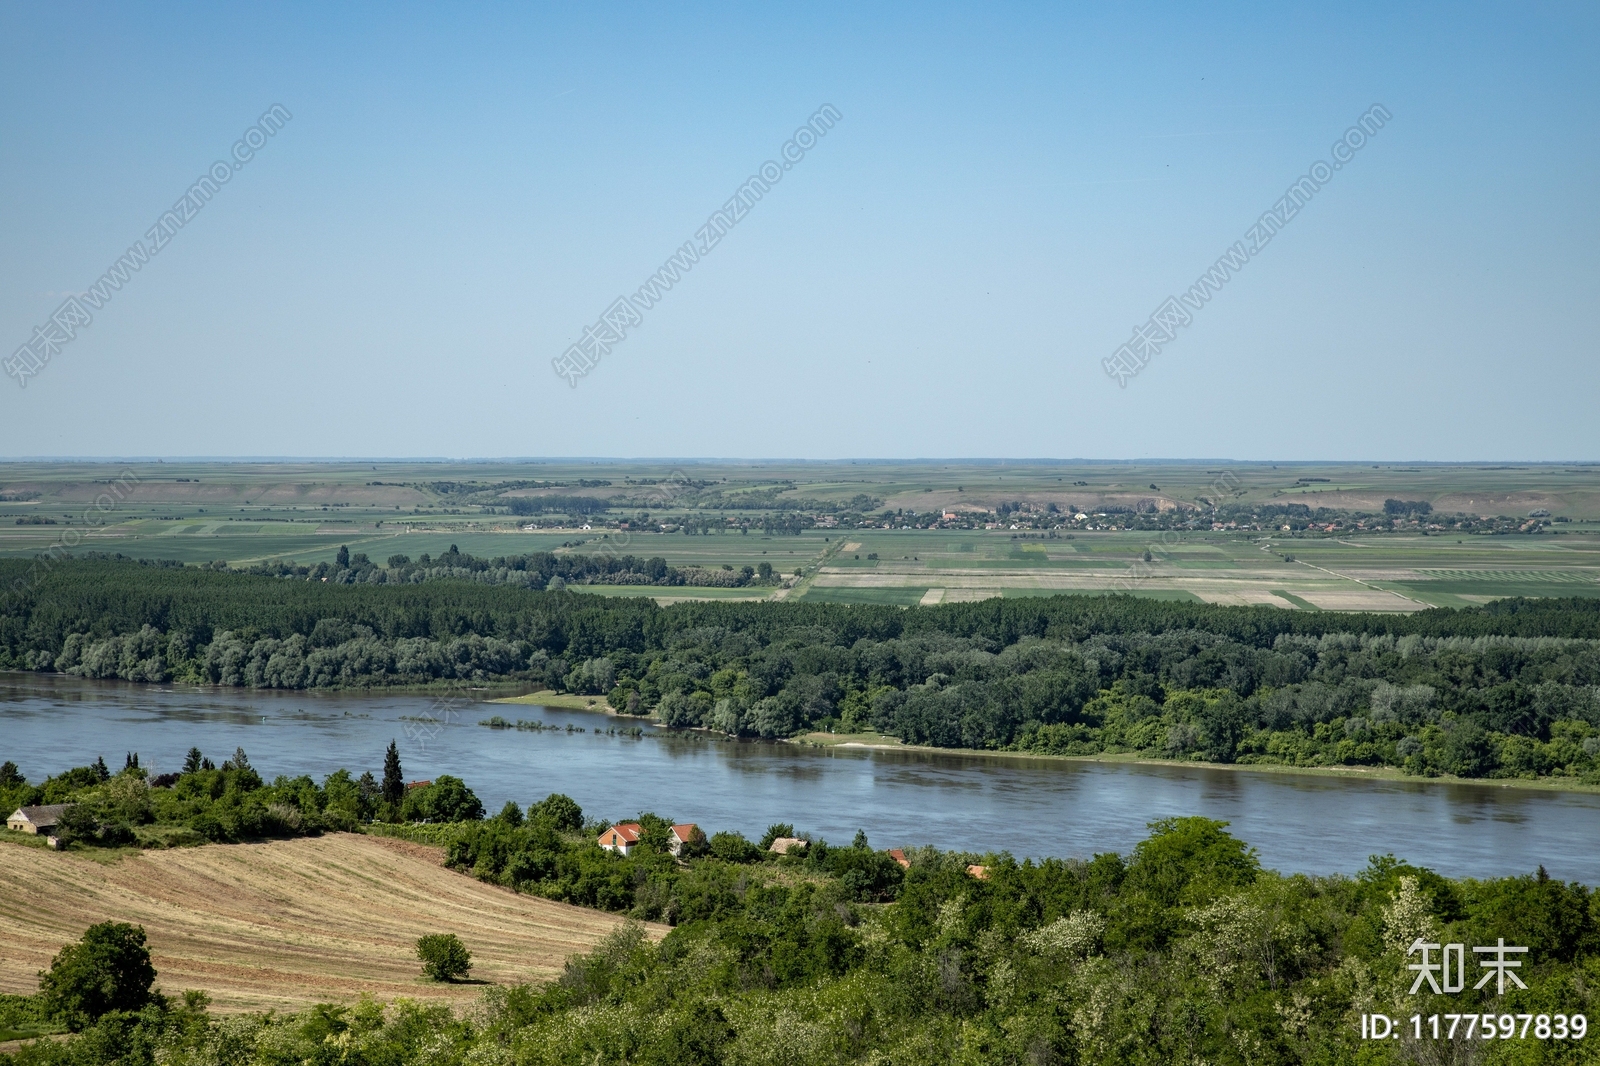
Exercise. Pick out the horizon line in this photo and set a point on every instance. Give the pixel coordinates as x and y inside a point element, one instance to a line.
<point>724,460</point>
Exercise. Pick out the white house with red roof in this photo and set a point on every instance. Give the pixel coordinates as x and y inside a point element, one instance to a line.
<point>681,835</point>
<point>623,838</point>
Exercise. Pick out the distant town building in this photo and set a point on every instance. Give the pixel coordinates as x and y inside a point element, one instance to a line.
<point>980,872</point>
<point>899,856</point>
<point>783,845</point>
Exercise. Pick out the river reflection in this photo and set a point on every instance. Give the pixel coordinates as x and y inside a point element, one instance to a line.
<point>1030,807</point>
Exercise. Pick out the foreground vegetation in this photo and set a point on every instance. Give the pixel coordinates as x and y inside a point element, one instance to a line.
<point>1504,691</point>
<point>1183,951</point>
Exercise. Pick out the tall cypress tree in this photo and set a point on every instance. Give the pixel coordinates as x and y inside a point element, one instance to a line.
<point>394,784</point>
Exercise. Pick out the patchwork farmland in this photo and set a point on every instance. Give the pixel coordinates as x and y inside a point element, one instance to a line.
<point>865,532</point>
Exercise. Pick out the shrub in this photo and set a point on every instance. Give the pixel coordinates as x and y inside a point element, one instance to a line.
<point>444,957</point>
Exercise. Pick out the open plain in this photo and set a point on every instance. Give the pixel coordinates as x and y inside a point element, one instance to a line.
<point>901,533</point>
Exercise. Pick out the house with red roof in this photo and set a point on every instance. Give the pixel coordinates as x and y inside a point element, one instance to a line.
<point>680,835</point>
<point>621,838</point>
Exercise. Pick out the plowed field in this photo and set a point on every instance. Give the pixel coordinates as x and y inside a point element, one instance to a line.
<point>288,923</point>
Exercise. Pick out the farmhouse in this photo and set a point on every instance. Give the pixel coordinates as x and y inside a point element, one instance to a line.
<point>681,835</point>
<point>37,819</point>
<point>899,856</point>
<point>783,845</point>
<point>622,838</point>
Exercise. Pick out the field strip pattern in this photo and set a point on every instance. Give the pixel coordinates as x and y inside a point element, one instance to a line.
<point>1569,576</point>
<point>288,923</point>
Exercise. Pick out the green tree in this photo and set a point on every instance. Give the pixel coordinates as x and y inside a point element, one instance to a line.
<point>779,829</point>
<point>444,957</point>
<point>733,847</point>
<point>108,970</point>
<point>191,762</point>
<point>1190,860</point>
<point>343,558</point>
<point>560,810</point>
<point>77,822</point>
<point>448,799</point>
<point>394,782</point>
<point>1185,862</point>
<point>10,776</point>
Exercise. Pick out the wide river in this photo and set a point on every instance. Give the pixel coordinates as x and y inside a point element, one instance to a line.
<point>1030,807</point>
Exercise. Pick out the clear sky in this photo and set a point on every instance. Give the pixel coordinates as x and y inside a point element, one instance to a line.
<point>462,189</point>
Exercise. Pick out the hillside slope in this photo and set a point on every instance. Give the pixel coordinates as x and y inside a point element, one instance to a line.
<point>288,923</point>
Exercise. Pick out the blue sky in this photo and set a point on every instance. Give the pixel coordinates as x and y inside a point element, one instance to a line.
<point>1011,189</point>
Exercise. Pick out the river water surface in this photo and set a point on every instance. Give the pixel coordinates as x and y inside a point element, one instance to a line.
<point>1041,807</point>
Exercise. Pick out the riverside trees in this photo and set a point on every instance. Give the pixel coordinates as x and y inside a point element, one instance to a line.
<point>1508,690</point>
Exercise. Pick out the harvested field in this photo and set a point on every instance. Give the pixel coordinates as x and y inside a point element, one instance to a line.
<point>1239,597</point>
<point>1360,600</point>
<point>288,923</point>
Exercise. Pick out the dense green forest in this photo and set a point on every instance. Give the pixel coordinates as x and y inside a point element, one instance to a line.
<point>1184,951</point>
<point>1511,689</point>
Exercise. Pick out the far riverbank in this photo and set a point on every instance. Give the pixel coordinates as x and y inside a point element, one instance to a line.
<point>882,742</point>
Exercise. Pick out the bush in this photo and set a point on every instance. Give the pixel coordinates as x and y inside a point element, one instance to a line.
<point>444,957</point>
<point>108,970</point>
